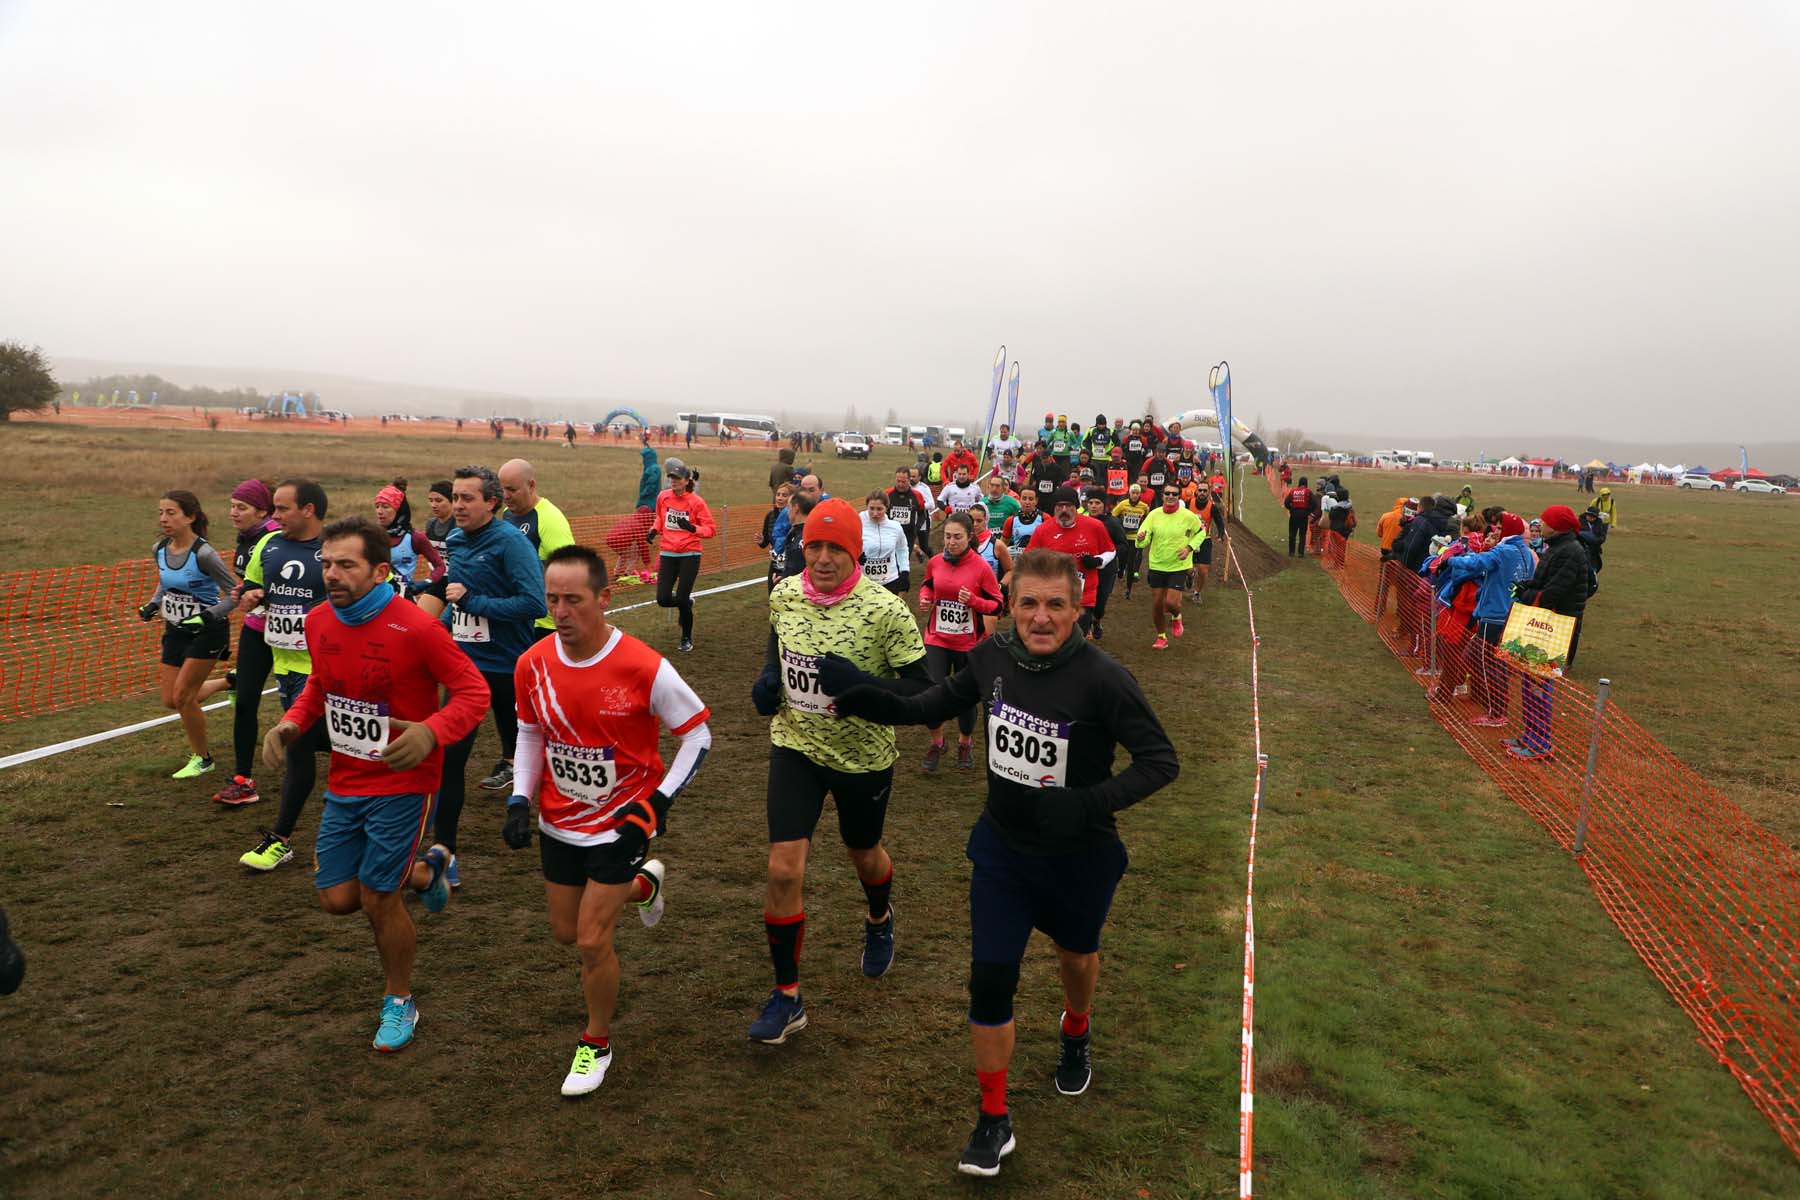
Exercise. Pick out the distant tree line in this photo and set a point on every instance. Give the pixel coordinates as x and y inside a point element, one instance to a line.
<point>99,390</point>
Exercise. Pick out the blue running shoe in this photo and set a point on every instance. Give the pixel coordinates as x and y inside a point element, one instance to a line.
<point>398,1020</point>
<point>878,946</point>
<point>781,1016</point>
<point>436,894</point>
<point>453,874</point>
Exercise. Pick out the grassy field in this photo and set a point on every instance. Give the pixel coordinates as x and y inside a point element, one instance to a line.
<point>1443,1010</point>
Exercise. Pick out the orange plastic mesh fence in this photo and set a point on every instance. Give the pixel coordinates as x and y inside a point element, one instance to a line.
<point>71,635</point>
<point>1709,899</point>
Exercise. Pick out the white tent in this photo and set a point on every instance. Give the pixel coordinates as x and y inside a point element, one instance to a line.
<point>1641,470</point>
<point>1510,462</point>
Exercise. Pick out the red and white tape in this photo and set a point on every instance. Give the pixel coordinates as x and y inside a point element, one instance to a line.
<point>1247,1054</point>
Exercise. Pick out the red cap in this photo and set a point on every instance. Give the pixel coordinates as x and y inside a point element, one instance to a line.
<point>1512,525</point>
<point>836,522</point>
<point>1560,518</point>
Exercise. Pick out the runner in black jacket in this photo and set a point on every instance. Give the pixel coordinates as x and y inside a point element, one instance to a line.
<point>1046,850</point>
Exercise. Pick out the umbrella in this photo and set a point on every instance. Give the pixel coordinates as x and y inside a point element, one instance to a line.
<point>1597,465</point>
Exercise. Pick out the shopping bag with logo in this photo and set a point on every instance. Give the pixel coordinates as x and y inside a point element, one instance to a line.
<point>1537,638</point>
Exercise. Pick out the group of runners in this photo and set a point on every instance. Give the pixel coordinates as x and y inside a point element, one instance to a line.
<point>390,645</point>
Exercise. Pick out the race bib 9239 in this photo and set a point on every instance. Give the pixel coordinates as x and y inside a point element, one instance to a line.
<point>1027,750</point>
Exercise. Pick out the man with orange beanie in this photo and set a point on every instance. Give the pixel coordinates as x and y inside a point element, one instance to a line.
<point>830,607</point>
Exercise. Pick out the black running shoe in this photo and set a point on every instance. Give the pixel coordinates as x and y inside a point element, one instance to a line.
<point>992,1141</point>
<point>501,780</point>
<point>686,646</point>
<point>1076,1070</point>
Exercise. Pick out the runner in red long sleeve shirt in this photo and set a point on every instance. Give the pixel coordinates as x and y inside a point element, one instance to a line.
<point>1074,533</point>
<point>957,584</point>
<point>377,664</point>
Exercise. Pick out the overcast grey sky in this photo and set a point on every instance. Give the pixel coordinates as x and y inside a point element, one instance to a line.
<point>1468,217</point>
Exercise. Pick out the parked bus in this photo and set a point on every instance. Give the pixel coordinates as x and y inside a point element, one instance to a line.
<point>894,435</point>
<point>751,426</point>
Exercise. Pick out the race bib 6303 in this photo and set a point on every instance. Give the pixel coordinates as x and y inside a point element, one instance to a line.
<point>1026,749</point>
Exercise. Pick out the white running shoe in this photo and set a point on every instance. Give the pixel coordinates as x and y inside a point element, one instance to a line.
<point>588,1069</point>
<point>651,911</point>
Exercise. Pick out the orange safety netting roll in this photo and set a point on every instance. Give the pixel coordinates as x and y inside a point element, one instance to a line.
<point>1709,899</point>
<point>71,635</point>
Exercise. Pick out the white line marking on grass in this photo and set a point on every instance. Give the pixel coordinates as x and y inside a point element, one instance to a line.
<point>94,739</point>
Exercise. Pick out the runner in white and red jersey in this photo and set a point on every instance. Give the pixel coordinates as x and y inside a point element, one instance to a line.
<point>592,702</point>
<point>1074,533</point>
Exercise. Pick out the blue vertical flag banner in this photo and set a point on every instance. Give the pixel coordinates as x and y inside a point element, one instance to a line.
<point>1012,400</point>
<point>1220,384</point>
<point>1744,461</point>
<point>987,426</point>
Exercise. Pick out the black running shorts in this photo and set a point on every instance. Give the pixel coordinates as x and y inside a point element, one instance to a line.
<point>1067,896</point>
<point>1175,580</point>
<point>797,787</point>
<point>211,642</point>
<point>573,866</point>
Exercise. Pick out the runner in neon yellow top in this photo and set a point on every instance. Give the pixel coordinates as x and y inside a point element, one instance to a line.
<point>542,523</point>
<point>1173,533</point>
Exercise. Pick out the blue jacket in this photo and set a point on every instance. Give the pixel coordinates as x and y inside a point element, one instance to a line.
<point>650,482</point>
<point>506,587</point>
<point>1498,569</point>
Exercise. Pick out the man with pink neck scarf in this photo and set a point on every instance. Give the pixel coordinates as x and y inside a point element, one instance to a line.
<point>828,608</point>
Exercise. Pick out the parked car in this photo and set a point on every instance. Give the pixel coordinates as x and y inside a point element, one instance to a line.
<point>1757,485</point>
<point>852,445</point>
<point>1707,482</point>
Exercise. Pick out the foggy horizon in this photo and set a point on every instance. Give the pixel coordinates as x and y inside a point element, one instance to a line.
<point>1431,218</point>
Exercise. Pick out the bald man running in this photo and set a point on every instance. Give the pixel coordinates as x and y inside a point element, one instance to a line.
<point>542,523</point>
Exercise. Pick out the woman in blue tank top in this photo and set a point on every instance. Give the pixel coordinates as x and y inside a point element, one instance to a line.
<point>194,597</point>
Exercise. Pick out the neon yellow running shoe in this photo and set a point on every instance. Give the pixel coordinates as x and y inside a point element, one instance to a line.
<point>270,853</point>
<point>197,765</point>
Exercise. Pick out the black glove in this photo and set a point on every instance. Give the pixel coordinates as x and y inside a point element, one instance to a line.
<point>679,519</point>
<point>838,674</point>
<point>864,700</point>
<point>517,830</point>
<point>1063,813</point>
<point>147,611</point>
<point>638,821</point>
<point>765,693</point>
<point>1089,562</point>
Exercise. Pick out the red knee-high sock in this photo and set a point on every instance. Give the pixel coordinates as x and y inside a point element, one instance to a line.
<point>993,1092</point>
